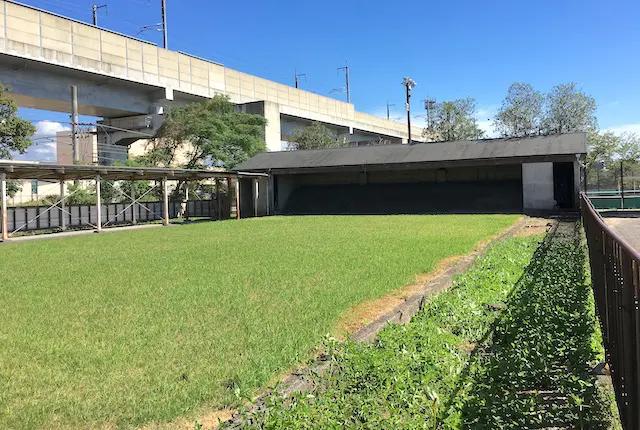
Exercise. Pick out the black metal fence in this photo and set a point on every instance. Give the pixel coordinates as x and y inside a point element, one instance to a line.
<point>30,218</point>
<point>615,276</point>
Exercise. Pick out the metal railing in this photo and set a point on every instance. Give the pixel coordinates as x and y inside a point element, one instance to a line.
<point>33,218</point>
<point>615,277</point>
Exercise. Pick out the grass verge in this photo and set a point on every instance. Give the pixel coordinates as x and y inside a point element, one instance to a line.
<point>509,346</point>
<point>534,370</point>
<point>401,379</point>
<point>144,326</point>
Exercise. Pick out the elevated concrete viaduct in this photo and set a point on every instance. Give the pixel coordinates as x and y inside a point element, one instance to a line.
<point>130,82</point>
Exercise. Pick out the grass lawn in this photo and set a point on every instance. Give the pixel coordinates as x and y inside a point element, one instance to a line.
<point>140,326</point>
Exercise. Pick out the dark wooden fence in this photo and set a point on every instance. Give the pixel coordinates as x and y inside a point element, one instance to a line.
<point>615,276</point>
<point>30,218</point>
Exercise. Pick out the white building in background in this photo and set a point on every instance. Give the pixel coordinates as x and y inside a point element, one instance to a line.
<point>34,190</point>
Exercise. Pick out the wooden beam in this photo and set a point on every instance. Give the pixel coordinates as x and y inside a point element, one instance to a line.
<point>3,210</point>
<point>98,205</point>
<point>63,217</point>
<point>165,196</point>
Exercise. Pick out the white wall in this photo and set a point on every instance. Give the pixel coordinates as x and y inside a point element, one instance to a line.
<point>537,186</point>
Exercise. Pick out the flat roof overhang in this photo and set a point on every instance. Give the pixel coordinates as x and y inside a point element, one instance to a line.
<point>17,170</point>
<point>447,164</point>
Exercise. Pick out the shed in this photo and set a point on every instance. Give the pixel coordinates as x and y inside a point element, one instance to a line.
<point>480,176</point>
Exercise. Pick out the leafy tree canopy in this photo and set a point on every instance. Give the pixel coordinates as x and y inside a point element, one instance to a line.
<point>212,132</point>
<point>568,109</point>
<point>314,136</point>
<point>521,112</point>
<point>15,133</point>
<point>454,120</point>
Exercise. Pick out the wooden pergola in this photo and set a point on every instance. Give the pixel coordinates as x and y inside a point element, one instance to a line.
<point>62,173</point>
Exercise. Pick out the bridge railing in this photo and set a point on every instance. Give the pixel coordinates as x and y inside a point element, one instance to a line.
<point>615,276</point>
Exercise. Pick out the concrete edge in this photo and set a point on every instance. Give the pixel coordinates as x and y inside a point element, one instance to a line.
<point>302,379</point>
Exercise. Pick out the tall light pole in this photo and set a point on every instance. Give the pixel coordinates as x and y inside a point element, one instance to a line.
<point>297,77</point>
<point>94,10</point>
<point>408,85</point>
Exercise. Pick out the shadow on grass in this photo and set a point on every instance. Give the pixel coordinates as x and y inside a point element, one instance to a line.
<point>532,369</point>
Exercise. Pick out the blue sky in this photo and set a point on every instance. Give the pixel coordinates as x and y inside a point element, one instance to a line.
<point>452,49</point>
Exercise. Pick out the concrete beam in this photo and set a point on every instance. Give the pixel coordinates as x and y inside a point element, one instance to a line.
<point>44,89</point>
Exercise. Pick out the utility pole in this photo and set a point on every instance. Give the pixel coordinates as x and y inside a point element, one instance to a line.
<point>346,70</point>
<point>429,104</point>
<point>94,9</point>
<point>388,111</point>
<point>299,75</point>
<point>159,27</point>
<point>409,84</point>
<point>621,184</point>
<point>164,25</point>
<point>74,124</point>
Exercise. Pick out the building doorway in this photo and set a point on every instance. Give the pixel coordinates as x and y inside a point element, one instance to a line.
<point>564,185</point>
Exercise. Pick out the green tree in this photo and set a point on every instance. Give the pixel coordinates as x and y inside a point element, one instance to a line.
<point>15,133</point>
<point>601,147</point>
<point>521,112</point>
<point>628,148</point>
<point>568,109</point>
<point>212,132</point>
<point>314,136</point>
<point>454,120</point>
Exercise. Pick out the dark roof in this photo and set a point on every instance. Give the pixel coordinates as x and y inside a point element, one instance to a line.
<point>35,170</point>
<point>488,149</point>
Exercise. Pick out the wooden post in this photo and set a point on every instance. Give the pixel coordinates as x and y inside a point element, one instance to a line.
<point>134,206</point>
<point>186,197</point>
<point>98,206</point>
<point>165,195</point>
<point>254,182</point>
<point>218,205</point>
<point>237,197</point>
<point>63,218</point>
<point>3,215</point>
<point>268,196</point>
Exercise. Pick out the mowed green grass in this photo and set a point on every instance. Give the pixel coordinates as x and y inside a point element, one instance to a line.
<point>142,326</point>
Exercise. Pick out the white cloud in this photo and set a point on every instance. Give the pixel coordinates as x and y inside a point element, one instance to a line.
<point>49,128</point>
<point>44,142</point>
<point>624,128</point>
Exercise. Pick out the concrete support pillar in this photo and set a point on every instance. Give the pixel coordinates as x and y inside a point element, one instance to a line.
<point>165,196</point>
<point>63,217</point>
<point>3,210</point>
<point>98,205</point>
<point>272,130</point>
<point>134,206</point>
